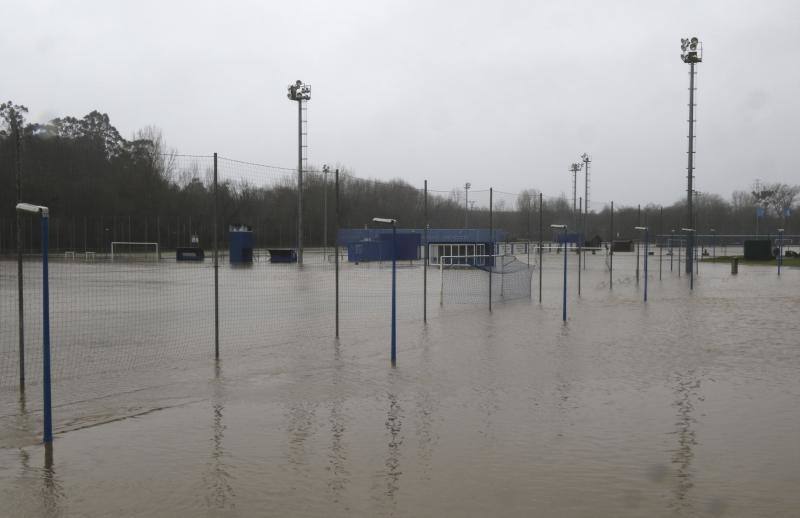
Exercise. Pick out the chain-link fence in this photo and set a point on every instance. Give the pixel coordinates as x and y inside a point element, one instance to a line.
<point>220,258</point>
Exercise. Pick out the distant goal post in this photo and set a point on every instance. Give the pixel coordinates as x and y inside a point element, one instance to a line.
<point>135,250</point>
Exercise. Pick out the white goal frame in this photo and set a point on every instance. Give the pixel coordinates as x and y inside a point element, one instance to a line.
<point>157,248</point>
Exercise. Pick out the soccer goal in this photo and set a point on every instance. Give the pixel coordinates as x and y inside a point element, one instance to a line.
<point>463,279</point>
<point>135,251</point>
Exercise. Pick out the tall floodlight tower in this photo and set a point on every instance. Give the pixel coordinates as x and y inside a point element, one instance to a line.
<point>586,159</point>
<point>574,168</point>
<point>300,92</point>
<point>691,53</point>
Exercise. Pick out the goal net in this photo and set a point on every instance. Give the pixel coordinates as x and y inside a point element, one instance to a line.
<point>135,251</point>
<point>466,279</point>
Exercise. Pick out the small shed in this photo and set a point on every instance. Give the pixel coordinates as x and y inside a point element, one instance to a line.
<point>240,248</point>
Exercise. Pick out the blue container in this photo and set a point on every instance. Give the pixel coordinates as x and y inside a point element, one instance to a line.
<point>241,244</point>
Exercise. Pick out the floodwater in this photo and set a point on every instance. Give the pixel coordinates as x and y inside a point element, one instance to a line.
<point>687,405</point>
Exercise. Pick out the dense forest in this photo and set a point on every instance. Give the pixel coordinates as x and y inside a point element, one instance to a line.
<point>102,187</point>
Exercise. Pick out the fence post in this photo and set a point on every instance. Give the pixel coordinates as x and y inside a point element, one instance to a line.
<point>48,410</point>
<point>20,295</point>
<point>611,252</point>
<point>425,257</point>
<point>491,252</point>
<point>216,267</point>
<point>336,251</point>
<point>580,246</point>
<point>541,245</point>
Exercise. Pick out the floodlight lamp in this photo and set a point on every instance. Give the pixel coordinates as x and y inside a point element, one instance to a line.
<point>384,220</point>
<point>640,228</point>
<point>34,209</point>
<point>780,230</point>
<point>687,229</point>
<point>562,227</point>
<point>467,185</point>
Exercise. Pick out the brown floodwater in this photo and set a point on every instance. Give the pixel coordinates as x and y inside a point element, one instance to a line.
<point>688,405</point>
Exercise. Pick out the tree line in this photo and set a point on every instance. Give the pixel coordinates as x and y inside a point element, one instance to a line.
<point>102,187</point>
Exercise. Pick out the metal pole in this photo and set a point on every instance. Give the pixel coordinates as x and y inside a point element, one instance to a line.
<point>491,249</point>
<point>394,292</point>
<point>299,181</point>
<point>564,301</point>
<point>425,257</point>
<point>216,267</point>
<point>46,385</point>
<point>585,211</point>
<point>660,256</point>
<point>20,284</point>
<point>611,252</point>
<point>325,214</point>
<point>541,211</point>
<point>466,206</point>
<point>690,171</point>
<point>646,237</point>
<point>336,251</point>
<point>638,222</point>
<point>580,246</point>
<point>780,251</point>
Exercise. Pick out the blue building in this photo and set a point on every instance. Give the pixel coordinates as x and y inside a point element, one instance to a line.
<point>451,245</point>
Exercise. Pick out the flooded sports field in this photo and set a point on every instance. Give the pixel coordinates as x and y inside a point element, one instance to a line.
<point>686,405</point>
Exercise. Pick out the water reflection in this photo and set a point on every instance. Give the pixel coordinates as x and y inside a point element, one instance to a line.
<point>52,490</point>
<point>337,455</point>
<point>425,406</point>
<point>394,424</point>
<point>686,389</point>
<point>219,492</point>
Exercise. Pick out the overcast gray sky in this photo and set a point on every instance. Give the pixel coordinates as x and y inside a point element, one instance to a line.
<point>505,94</point>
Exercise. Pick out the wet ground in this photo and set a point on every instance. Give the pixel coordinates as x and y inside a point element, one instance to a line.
<point>687,405</point>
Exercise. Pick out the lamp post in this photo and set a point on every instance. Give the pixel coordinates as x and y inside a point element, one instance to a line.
<point>393,222</point>
<point>646,232</point>
<point>672,249</point>
<point>325,171</point>
<point>563,228</point>
<point>691,232</point>
<point>44,212</point>
<point>467,187</point>
<point>691,53</point>
<point>780,249</point>
<point>299,92</point>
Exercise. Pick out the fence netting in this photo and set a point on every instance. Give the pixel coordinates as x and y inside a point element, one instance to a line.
<point>213,246</point>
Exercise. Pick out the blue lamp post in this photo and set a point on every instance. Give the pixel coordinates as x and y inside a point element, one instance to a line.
<point>691,271</point>
<point>44,212</point>
<point>393,222</point>
<point>646,231</point>
<point>563,228</point>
